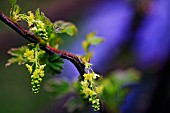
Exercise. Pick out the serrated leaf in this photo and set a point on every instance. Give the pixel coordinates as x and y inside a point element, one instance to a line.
<point>57,88</point>
<point>74,104</point>
<point>54,64</point>
<point>54,40</point>
<point>55,67</point>
<point>17,55</point>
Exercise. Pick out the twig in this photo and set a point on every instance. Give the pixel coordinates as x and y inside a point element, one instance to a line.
<point>34,39</point>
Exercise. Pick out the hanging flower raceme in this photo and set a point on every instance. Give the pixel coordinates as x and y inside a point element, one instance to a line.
<point>89,88</point>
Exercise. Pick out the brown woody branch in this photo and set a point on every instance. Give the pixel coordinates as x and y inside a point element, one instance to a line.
<point>34,39</point>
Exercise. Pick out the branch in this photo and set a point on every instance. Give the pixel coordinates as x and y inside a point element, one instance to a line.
<point>51,50</point>
<point>34,39</point>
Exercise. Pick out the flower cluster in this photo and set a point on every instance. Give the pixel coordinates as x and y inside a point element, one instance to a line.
<point>36,78</point>
<point>89,88</point>
<point>29,54</point>
<point>35,69</point>
<point>38,23</point>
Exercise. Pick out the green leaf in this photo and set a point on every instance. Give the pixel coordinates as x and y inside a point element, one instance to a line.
<point>86,46</point>
<point>91,35</point>
<point>86,58</point>
<point>92,39</point>
<point>13,2</point>
<point>17,56</point>
<point>95,40</point>
<point>71,30</point>
<point>75,104</point>
<point>15,12</point>
<point>58,88</point>
<point>54,64</point>
<point>114,90</point>
<point>65,27</point>
<point>54,40</point>
<point>38,14</point>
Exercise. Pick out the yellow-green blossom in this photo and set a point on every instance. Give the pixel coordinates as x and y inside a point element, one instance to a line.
<point>30,18</point>
<point>88,76</point>
<point>88,92</point>
<point>29,54</point>
<point>40,24</point>
<point>42,66</point>
<point>84,83</point>
<point>29,68</point>
<point>90,89</point>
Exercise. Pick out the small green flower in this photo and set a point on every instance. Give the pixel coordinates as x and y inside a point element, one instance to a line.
<point>42,66</point>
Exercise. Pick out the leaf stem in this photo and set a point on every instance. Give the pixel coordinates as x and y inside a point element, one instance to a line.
<point>36,55</point>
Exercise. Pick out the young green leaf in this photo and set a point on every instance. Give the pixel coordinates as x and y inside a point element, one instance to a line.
<point>66,27</point>
<point>92,39</point>
<point>95,40</point>
<point>86,46</point>
<point>17,56</point>
<point>54,64</point>
<point>13,2</point>
<point>58,88</point>
<point>75,104</point>
<point>38,15</point>
<point>114,90</point>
